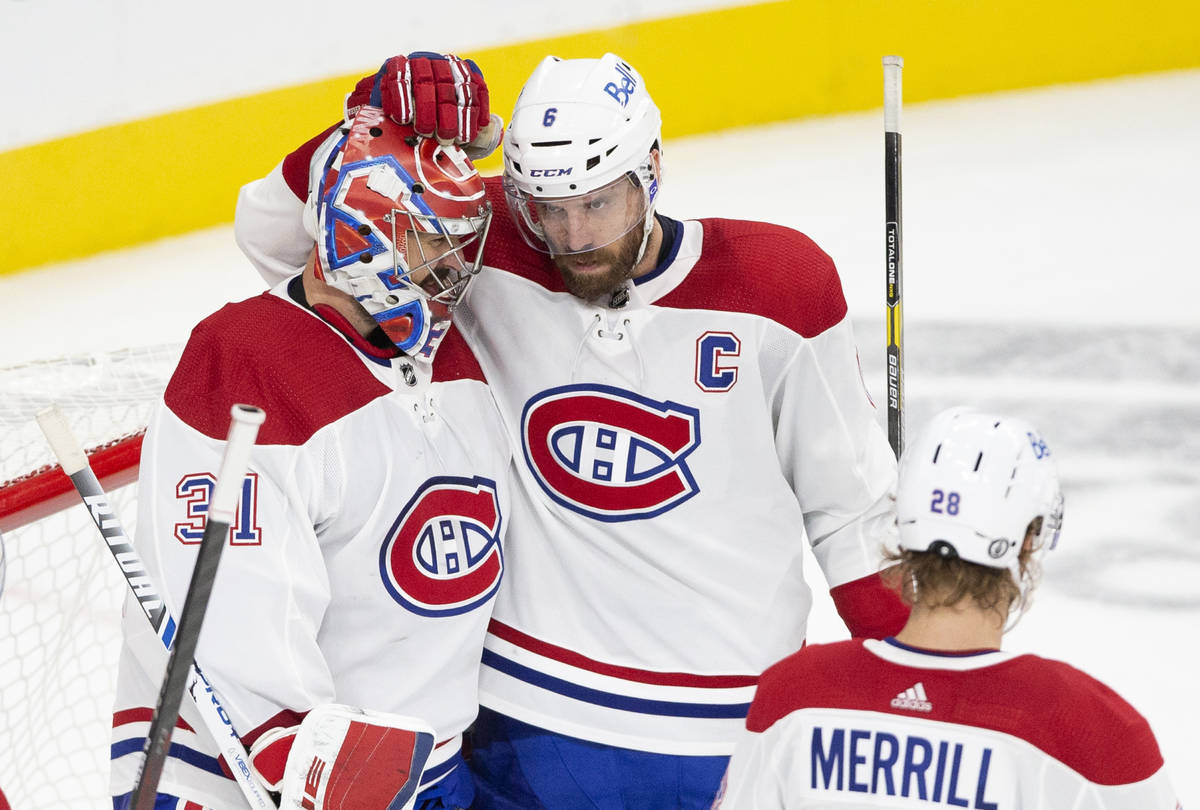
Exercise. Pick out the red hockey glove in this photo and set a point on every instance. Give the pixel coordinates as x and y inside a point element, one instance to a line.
<point>343,758</point>
<point>440,95</point>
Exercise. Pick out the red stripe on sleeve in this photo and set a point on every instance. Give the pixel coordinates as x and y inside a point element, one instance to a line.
<point>142,715</point>
<point>546,650</point>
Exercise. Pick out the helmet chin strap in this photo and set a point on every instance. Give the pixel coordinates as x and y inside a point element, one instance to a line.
<point>648,227</point>
<point>620,296</point>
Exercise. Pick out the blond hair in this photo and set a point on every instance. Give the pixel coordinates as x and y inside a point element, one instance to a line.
<point>940,578</point>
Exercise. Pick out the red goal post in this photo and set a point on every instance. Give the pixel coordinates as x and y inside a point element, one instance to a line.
<point>47,490</point>
<point>60,593</point>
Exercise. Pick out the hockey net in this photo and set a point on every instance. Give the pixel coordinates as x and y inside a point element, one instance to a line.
<point>60,590</point>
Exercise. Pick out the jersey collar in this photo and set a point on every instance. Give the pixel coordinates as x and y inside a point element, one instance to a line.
<point>891,650</point>
<point>676,260</point>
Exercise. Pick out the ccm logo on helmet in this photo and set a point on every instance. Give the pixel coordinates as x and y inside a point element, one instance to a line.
<point>442,556</point>
<point>610,454</point>
<point>549,172</point>
<point>623,87</point>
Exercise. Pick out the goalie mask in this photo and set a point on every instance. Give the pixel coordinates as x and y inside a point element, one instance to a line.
<point>400,222</point>
<point>974,483</point>
<point>578,173</point>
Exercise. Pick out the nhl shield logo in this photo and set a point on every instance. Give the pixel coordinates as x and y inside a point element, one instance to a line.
<point>442,555</point>
<point>610,454</point>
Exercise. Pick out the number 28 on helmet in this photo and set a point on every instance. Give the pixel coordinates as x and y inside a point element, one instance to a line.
<point>974,485</point>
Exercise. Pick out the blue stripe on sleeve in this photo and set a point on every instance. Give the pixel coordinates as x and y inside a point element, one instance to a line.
<point>623,702</point>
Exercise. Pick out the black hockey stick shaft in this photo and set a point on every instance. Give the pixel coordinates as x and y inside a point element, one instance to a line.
<point>75,464</point>
<point>221,513</point>
<point>893,247</point>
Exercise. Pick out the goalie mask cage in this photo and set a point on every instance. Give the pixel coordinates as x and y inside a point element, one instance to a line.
<point>60,591</point>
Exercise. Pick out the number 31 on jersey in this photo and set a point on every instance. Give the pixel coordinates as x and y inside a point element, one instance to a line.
<point>195,490</point>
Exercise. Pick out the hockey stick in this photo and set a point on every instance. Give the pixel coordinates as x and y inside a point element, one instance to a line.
<point>893,241</point>
<point>221,513</point>
<point>75,464</point>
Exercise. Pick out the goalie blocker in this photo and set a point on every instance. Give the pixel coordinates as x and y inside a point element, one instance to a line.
<point>344,758</point>
<point>341,758</point>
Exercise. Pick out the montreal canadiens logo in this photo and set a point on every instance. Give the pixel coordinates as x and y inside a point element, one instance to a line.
<point>608,453</point>
<point>442,556</point>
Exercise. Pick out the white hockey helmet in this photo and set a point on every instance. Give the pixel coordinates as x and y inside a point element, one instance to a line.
<point>973,483</point>
<point>399,221</point>
<point>581,128</point>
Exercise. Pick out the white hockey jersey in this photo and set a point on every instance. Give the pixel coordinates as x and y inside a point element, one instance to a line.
<point>875,724</point>
<point>673,450</point>
<point>366,555</point>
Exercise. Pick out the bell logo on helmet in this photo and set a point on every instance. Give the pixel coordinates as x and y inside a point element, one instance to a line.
<point>1040,450</point>
<point>623,87</point>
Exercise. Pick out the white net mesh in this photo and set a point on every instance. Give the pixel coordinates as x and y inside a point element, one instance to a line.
<point>60,591</point>
<point>104,395</point>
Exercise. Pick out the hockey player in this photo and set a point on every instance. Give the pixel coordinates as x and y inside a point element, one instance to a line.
<point>353,599</point>
<point>687,404</point>
<point>939,716</point>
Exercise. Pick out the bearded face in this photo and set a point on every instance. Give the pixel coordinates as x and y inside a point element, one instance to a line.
<point>599,272</point>
<point>594,239</point>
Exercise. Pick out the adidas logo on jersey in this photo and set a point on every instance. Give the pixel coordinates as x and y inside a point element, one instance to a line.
<point>913,698</point>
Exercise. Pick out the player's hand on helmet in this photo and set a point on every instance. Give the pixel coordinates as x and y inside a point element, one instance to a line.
<point>440,95</point>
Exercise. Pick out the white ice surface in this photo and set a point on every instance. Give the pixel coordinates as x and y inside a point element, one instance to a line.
<point>1050,272</point>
